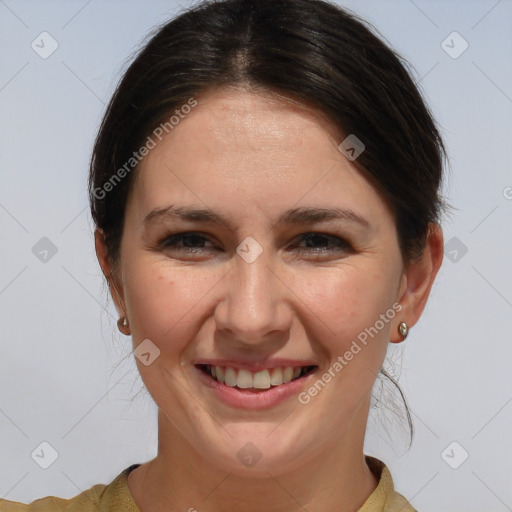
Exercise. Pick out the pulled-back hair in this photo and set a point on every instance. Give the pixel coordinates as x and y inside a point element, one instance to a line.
<point>310,51</point>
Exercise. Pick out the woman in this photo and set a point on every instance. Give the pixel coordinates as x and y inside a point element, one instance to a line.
<point>265,188</point>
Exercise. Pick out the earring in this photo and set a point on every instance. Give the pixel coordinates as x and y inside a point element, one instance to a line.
<point>122,325</point>
<point>403,330</point>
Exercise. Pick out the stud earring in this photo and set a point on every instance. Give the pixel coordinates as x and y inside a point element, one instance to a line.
<point>122,325</point>
<point>403,330</point>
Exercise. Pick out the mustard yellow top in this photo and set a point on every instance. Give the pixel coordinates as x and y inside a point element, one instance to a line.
<point>116,497</point>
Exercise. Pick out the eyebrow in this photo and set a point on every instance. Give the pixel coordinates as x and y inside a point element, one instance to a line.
<point>294,216</point>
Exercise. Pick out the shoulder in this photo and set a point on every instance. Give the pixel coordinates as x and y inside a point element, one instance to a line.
<point>85,501</point>
<point>99,498</point>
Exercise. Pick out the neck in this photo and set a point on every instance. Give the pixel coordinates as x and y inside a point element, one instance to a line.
<point>179,478</point>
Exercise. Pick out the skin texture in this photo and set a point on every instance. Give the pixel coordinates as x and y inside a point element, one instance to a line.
<point>252,157</point>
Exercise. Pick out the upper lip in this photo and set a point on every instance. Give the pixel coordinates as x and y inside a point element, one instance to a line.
<point>256,366</point>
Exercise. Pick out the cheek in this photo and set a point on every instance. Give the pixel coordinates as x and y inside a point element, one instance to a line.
<point>347,300</point>
<point>345,305</point>
<point>164,302</point>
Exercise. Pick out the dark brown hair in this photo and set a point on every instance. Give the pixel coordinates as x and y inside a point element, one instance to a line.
<point>308,50</point>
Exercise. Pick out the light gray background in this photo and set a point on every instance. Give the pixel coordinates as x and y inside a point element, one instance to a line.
<point>67,376</point>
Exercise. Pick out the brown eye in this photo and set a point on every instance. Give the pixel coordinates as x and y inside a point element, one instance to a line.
<point>185,242</point>
<point>325,243</point>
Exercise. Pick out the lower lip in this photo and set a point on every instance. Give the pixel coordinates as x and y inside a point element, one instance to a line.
<point>260,399</point>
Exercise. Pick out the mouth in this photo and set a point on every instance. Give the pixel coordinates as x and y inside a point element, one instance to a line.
<point>255,381</point>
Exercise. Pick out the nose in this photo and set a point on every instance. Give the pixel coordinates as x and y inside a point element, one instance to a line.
<point>255,307</point>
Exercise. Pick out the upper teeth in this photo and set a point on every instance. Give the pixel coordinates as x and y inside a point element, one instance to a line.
<point>259,380</point>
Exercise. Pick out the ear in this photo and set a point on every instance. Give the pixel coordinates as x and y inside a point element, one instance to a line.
<point>418,279</point>
<point>116,288</point>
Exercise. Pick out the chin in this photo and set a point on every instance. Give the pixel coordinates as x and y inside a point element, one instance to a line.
<point>253,451</point>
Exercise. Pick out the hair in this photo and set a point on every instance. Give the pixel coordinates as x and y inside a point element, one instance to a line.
<point>310,51</point>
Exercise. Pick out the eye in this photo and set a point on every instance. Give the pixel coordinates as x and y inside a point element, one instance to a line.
<point>192,242</point>
<point>327,243</point>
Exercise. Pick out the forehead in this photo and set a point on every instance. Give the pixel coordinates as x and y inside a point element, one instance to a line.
<point>237,147</point>
<point>236,113</point>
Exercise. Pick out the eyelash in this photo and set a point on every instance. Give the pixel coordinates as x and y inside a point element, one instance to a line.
<point>170,242</point>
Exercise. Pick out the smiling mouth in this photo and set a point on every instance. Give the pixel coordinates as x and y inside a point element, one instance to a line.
<point>257,381</point>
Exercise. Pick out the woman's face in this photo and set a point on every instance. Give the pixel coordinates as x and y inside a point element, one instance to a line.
<point>276,284</point>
